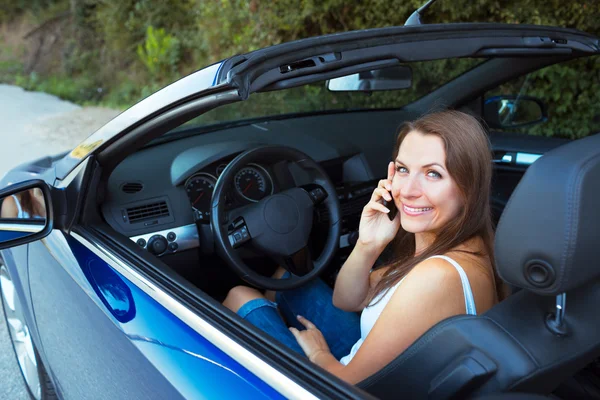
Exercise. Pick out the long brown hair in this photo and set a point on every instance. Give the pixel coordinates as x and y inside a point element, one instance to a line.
<point>469,163</point>
<point>29,204</point>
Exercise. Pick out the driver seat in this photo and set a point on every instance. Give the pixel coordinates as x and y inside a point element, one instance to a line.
<point>546,244</point>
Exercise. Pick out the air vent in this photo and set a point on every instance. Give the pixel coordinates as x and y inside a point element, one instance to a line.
<point>132,187</point>
<point>147,211</point>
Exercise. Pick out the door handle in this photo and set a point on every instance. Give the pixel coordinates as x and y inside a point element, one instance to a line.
<point>502,157</point>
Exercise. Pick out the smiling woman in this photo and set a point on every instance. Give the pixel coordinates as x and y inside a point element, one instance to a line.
<point>446,194</point>
<point>440,182</point>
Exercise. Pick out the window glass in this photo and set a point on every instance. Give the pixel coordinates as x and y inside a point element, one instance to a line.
<point>426,77</point>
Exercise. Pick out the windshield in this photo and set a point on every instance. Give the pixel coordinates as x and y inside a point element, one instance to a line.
<point>313,98</point>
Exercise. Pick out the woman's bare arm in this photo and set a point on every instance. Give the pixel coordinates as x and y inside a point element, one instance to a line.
<point>9,208</point>
<point>352,283</point>
<point>431,293</point>
<point>375,232</point>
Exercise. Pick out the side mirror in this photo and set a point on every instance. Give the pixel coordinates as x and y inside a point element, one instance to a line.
<point>391,78</point>
<point>513,111</point>
<point>25,213</point>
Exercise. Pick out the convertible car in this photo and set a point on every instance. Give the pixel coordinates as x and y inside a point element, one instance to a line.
<point>116,255</point>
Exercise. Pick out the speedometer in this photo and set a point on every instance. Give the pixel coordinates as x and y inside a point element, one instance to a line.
<point>253,183</point>
<point>199,188</point>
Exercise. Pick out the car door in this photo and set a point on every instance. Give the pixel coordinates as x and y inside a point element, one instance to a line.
<point>101,334</point>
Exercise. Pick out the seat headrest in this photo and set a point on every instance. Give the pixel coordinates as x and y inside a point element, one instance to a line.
<point>547,237</point>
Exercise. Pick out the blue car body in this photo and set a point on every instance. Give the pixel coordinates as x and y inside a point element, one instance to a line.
<point>111,325</point>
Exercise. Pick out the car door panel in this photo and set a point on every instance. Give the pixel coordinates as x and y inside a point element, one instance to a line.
<point>513,154</point>
<point>106,338</point>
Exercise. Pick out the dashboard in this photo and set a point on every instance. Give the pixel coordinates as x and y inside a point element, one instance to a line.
<point>251,183</point>
<point>160,196</point>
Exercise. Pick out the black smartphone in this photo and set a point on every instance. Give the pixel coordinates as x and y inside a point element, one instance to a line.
<point>391,205</point>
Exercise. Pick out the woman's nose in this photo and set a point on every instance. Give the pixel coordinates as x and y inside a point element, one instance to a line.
<point>411,187</point>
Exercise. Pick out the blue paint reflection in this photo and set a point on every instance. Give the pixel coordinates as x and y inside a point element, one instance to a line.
<point>111,289</point>
<point>6,236</point>
<point>192,364</point>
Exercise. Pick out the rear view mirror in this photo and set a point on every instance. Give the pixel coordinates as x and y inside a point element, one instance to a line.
<point>23,213</point>
<point>513,111</point>
<point>391,78</point>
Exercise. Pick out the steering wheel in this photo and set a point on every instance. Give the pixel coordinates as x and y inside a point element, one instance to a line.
<point>279,225</point>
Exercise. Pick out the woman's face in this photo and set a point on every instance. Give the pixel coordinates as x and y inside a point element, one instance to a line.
<point>425,194</point>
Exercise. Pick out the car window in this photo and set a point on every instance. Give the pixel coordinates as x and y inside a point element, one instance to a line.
<point>312,98</point>
<point>570,92</point>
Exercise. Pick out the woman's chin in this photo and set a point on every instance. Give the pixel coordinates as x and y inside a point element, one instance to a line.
<point>412,226</point>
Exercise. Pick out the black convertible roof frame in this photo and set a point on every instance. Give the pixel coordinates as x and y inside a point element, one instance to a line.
<point>325,57</point>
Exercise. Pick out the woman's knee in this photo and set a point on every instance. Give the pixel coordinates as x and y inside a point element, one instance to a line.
<point>240,295</point>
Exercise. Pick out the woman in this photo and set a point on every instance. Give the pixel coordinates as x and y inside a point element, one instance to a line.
<point>24,205</point>
<point>440,183</point>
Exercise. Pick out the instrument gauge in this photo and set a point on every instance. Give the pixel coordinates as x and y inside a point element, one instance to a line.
<point>253,183</point>
<point>199,188</point>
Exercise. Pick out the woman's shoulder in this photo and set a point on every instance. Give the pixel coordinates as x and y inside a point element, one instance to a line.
<point>9,207</point>
<point>477,268</point>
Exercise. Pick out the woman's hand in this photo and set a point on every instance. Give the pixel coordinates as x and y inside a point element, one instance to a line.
<point>311,340</point>
<point>375,227</point>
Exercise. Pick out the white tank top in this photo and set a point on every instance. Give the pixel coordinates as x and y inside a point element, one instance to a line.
<point>369,315</point>
<point>21,213</point>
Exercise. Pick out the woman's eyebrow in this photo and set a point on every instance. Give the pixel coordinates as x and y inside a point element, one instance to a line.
<point>424,166</point>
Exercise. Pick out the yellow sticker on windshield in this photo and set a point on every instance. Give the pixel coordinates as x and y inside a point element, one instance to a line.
<point>84,149</point>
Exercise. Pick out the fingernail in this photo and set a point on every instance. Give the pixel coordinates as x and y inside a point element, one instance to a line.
<point>388,186</point>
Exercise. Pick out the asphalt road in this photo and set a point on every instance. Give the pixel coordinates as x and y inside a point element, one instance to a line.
<point>33,125</point>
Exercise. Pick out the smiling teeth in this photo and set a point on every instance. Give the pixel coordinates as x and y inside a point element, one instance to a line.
<point>418,209</point>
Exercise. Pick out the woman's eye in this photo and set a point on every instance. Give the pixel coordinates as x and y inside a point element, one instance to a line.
<point>401,169</point>
<point>434,174</point>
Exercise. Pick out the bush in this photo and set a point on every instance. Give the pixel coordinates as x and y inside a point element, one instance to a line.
<point>160,53</point>
<point>78,89</point>
<point>152,42</point>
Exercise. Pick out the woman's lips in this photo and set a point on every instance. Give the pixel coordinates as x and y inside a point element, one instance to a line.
<point>415,211</point>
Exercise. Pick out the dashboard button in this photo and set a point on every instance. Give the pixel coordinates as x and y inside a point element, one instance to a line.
<point>157,244</point>
<point>173,247</point>
<point>141,242</point>
<point>171,236</point>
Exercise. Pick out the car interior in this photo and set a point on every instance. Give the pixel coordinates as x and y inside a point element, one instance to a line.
<point>160,198</point>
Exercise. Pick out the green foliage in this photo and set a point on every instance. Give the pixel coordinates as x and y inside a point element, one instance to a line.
<point>9,69</point>
<point>76,89</point>
<point>571,92</point>
<point>160,52</point>
<point>149,43</point>
<point>10,9</point>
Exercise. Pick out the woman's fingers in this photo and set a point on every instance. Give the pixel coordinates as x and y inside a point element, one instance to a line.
<point>374,205</point>
<point>391,171</point>
<point>307,324</point>
<point>384,193</point>
<point>385,184</point>
<point>379,193</point>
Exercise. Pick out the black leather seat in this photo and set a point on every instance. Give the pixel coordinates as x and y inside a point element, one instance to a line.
<point>546,244</point>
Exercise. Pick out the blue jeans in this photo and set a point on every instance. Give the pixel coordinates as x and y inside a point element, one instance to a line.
<point>313,301</point>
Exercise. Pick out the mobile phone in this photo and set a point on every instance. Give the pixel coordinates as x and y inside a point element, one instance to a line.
<point>391,205</point>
